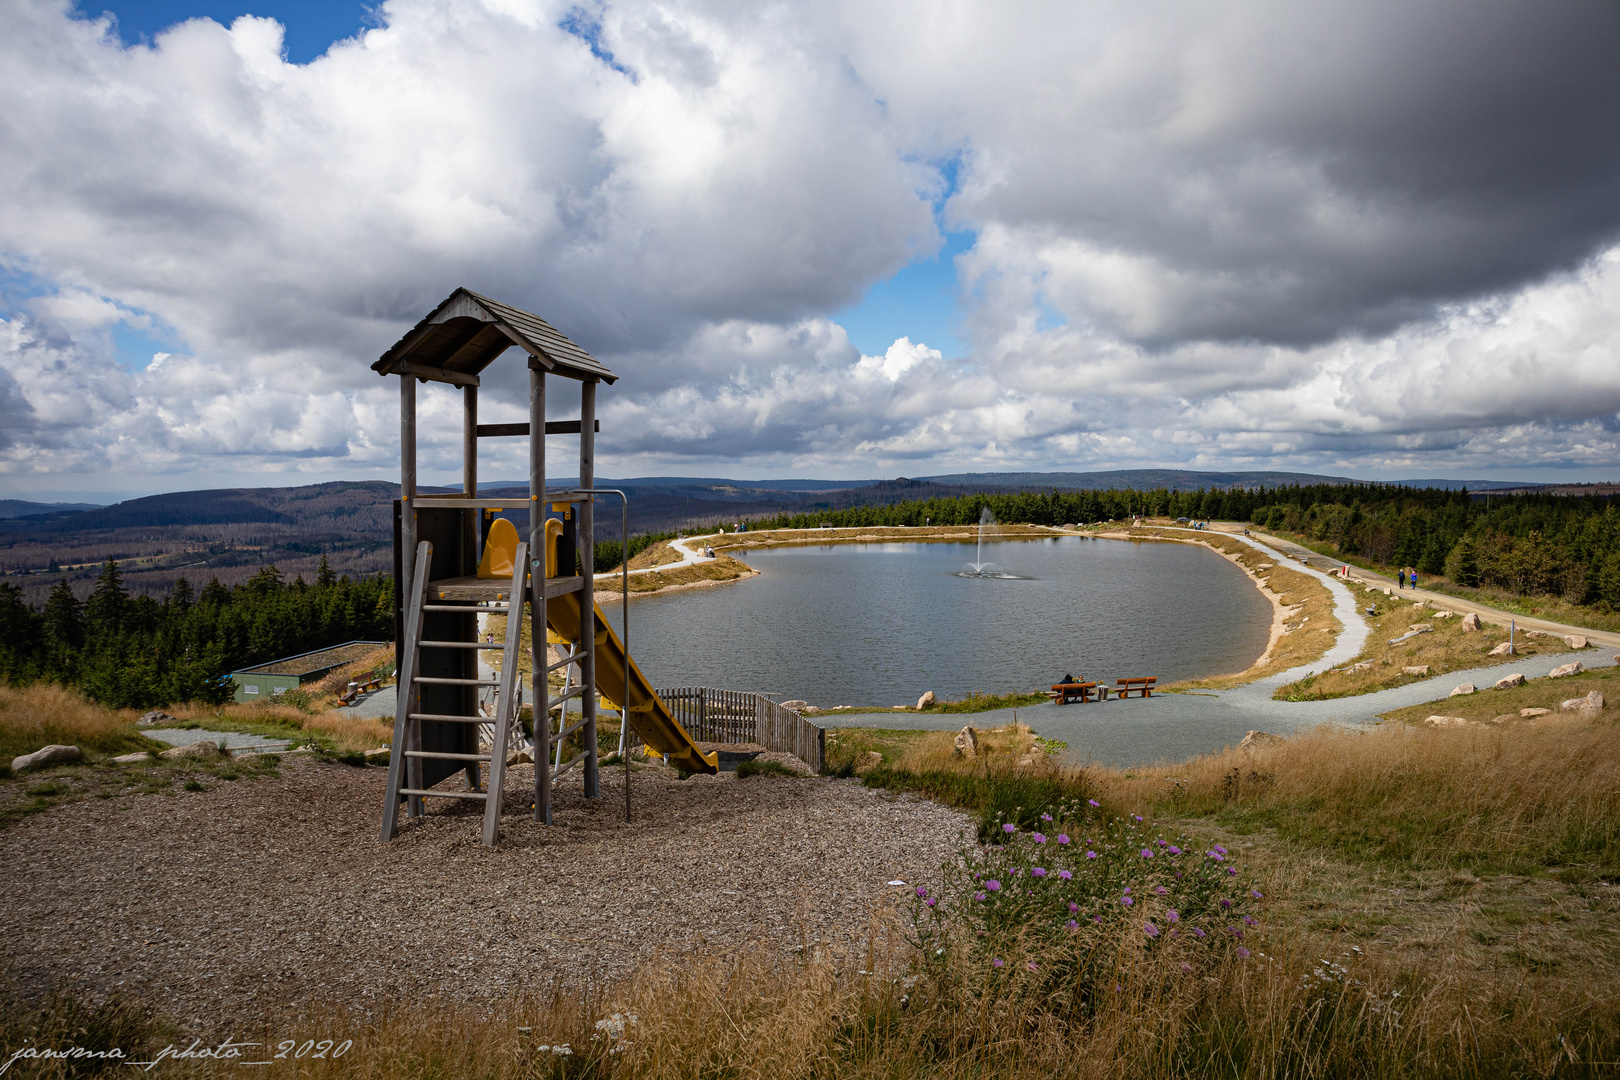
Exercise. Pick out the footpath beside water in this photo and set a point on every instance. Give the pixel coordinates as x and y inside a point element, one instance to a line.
<point>1175,727</point>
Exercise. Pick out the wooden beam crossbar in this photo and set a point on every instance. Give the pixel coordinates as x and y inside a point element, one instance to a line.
<point>553,427</point>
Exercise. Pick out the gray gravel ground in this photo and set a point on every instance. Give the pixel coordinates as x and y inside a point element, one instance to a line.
<point>254,896</point>
<point>232,740</point>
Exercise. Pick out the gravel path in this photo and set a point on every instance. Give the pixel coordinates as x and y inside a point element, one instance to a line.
<point>232,740</point>
<point>258,895</point>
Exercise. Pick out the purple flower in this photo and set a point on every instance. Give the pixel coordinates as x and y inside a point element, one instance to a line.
<point>1127,901</point>
<point>1040,838</point>
<point>1256,894</point>
<point>1093,802</point>
<point>1073,907</point>
<point>1136,817</point>
<point>1150,930</point>
<point>1163,843</point>
<point>1009,828</point>
<point>1226,904</point>
<point>1217,856</point>
<point>1091,854</point>
<point>1032,965</point>
<point>1172,849</point>
<point>1172,916</point>
<point>1243,952</point>
<point>1231,871</point>
<point>1248,920</point>
<point>1127,890</point>
<point>1096,918</point>
<point>1147,853</point>
<point>931,901</point>
<point>1038,871</point>
<point>1072,925</point>
<point>1187,968</point>
<point>1046,817</point>
<point>996,962</point>
<point>1199,933</point>
<point>1235,932</point>
<point>1220,849</point>
<point>1065,875</point>
<point>1161,890</point>
<point>994,886</point>
<point>921,891</point>
<point>1063,838</point>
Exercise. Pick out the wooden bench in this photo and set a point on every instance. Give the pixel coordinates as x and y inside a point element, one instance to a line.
<point>1143,687</point>
<point>1063,693</point>
<point>355,689</point>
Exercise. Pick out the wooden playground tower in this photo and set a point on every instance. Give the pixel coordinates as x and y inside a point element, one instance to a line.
<point>439,592</point>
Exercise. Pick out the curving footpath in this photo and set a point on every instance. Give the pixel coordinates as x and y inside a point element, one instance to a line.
<point>1175,727</point>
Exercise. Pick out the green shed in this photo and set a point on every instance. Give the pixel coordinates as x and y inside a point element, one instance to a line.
<point>265,681</point>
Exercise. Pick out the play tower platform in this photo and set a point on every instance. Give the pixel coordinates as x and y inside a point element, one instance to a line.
<point>454,560</point>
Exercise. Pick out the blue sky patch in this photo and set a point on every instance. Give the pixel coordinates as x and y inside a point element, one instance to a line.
<point>312,27</point>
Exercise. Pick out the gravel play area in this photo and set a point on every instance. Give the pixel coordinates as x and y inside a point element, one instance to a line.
<point>259,894</point>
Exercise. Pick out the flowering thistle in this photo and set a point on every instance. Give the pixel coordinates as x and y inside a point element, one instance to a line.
<point>1127,901</point>
<point>1172,916</point>
<point>1065,875</point>
<point>1039,838</point>
<point>1009,828</point>
<point>1038,871</point>
<point>1046,817</point>
<point>1150,930</point>
<point>1243,952</point>
<point>1063,838</point>
<point>1093,802</point>
<point>1091,854</point>
<point>992,885</point>
<point>1147,853</point>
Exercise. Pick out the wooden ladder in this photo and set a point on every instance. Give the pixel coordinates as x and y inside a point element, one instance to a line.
<point>404,762</point>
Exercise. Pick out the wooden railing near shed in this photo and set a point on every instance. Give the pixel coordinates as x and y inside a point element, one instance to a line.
<point>741,716</point>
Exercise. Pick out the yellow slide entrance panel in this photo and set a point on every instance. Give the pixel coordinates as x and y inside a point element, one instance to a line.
<point>499,550</point>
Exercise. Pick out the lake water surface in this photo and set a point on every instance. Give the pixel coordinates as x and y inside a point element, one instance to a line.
<point>878,624</point>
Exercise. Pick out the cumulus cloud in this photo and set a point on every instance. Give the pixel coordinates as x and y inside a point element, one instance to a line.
<point>1376,237</point>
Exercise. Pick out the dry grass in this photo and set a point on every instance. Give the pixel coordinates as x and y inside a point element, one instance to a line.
<point>1448,648</point>
<point>334,683</point>
<point>1525,798</point>
<point>40,715</point>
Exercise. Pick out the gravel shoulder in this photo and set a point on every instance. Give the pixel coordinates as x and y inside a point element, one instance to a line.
<point>263,895</point>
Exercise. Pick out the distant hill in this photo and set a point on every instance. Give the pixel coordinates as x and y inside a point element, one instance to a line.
<point>1138,479</point>
<point>16,508</point>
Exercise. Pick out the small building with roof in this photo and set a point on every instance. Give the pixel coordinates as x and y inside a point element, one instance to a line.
<point>262,682</point>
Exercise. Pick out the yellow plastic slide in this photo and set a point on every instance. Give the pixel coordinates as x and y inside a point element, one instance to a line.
<point>649,716</point>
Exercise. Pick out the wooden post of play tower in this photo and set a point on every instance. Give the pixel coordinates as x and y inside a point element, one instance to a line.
<point>439,594</point>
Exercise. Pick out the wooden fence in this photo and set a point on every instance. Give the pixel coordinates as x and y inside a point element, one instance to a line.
<point>740,716</point>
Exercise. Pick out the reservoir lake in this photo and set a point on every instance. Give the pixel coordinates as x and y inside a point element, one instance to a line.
<point>879,624</point>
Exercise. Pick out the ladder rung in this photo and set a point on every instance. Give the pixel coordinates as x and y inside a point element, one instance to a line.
<point>444,794</point>
<point>441,756</point>
<point>565,766</point>
<point>551,703</point>
<point>567,731</point>
<point>464,609</point>
<point>458,645</point>
<point>454,682</point>
<point>443,719</point>
<point>565,661</point>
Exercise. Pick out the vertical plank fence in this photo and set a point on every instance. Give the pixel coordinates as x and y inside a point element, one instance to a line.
<point>741,716</point>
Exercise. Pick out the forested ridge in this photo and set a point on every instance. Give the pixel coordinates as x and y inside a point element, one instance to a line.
<point>135,651</point>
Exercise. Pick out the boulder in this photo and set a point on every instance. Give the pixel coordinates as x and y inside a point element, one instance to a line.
<point>967,742</point>
<point>1592,702</point>
<point>1421,626</point>
<point>1504,649</point>
<point>53,754</point>
<point>154,718</point>
<point>796,705</point>
<point>1465,688</point>
<point>1415,669</point>
<point>198,750</point>
<point>381,755</point>
<point>1505,718</point>
<point>926,700</point>
<point>1565,670</point>
<point>132,759</point>
<point>1445,721</point>
<point>1531,714</point>
<point>1507,682</point>
<point>1575,641</point>
<point>1256,740</point>
<point>1356,669</point>
<point>522,757</point>
<point>1445,614</point>
<point>1470,621</point>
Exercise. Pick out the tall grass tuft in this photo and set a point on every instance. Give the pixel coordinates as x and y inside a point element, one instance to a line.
<point>42,714</point>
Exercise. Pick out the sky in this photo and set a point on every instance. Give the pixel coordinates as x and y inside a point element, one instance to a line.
<point>839,240</point>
